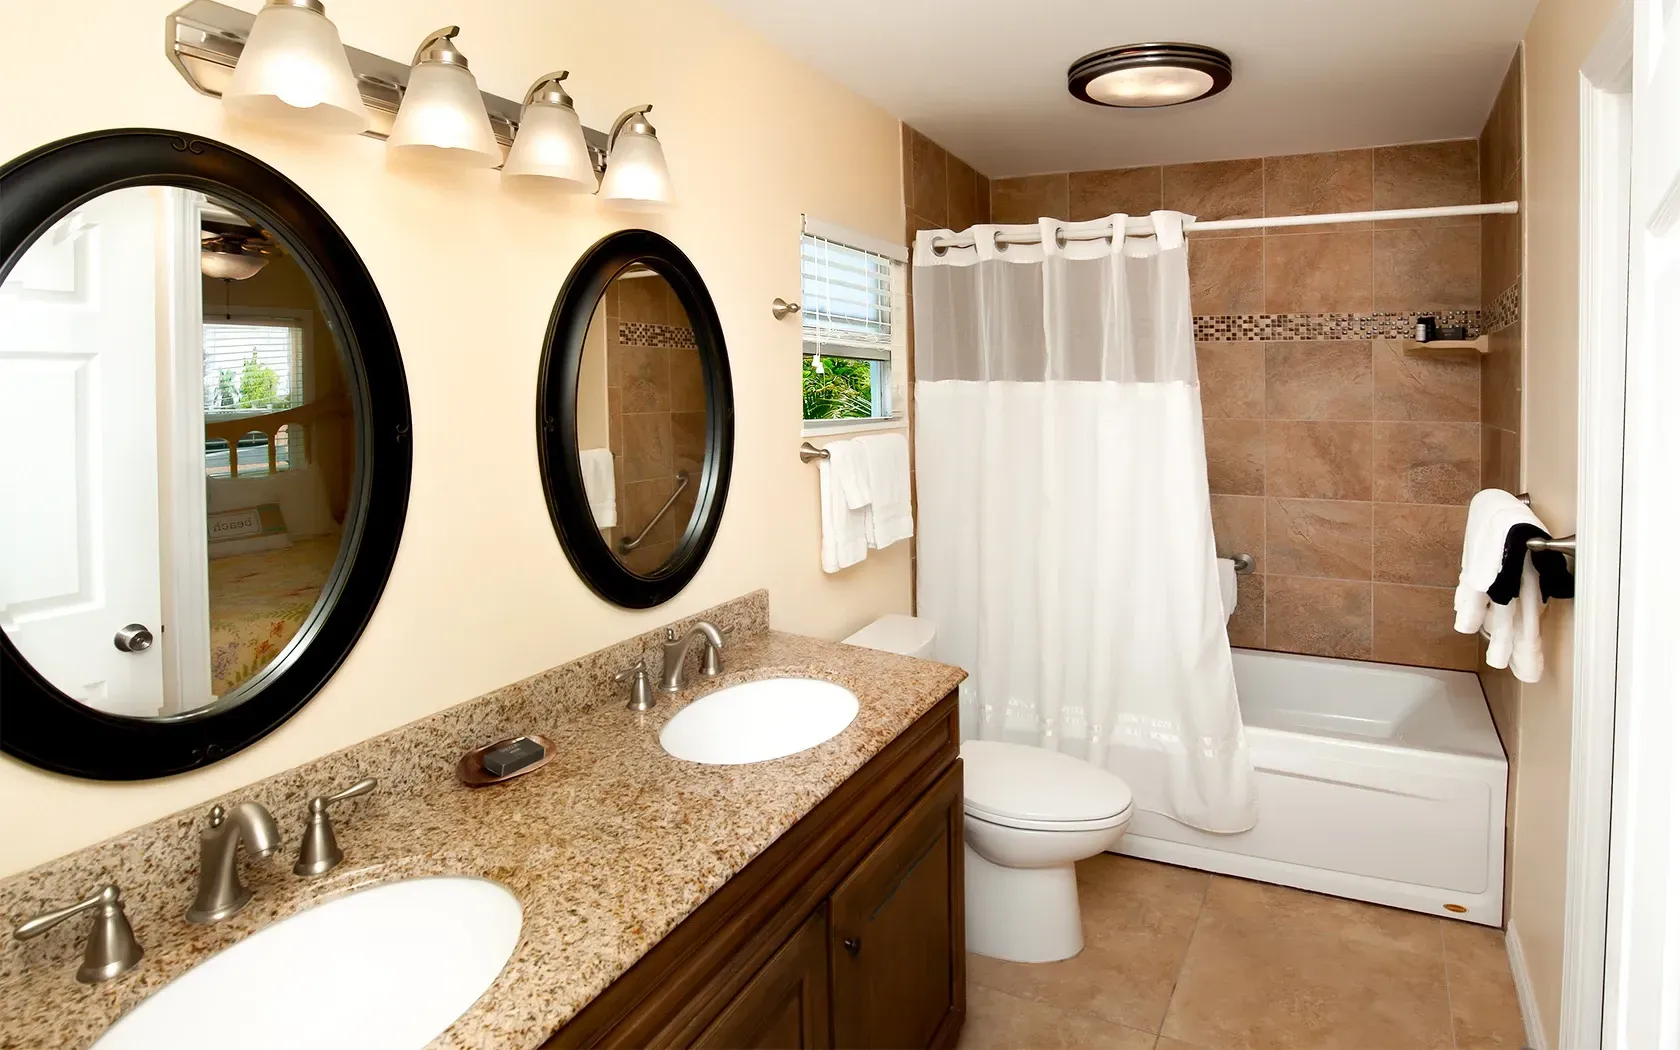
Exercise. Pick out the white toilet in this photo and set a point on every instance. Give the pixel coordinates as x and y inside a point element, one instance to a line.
<point>1028,815</point>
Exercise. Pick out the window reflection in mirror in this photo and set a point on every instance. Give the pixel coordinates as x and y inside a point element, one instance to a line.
<point>641,418</point>
<point>176,448</point>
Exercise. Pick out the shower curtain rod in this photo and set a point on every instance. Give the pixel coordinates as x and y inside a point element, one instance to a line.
<point>1141,225</point>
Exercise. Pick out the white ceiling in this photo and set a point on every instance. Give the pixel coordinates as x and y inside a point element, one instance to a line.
<point>987,79</point>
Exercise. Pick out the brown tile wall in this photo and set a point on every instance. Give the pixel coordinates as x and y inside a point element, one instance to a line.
<point>940,192</point>
<point>1342,465</point>
<point>656,413</point>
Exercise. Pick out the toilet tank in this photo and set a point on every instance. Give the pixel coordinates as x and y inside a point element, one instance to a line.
<point>897,633</point>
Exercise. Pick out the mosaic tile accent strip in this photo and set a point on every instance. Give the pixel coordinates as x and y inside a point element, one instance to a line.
<point>1506,309</point>
<point>641,333</point>
<point>1290,327</point>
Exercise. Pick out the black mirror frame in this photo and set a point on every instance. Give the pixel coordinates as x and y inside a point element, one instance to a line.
<point>557,445</point>
<point>41,725</point>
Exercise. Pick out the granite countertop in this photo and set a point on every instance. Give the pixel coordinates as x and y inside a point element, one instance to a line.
<point>608,848</point>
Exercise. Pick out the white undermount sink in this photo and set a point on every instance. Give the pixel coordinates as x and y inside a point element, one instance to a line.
<point>385,968</point>
<point>759,721</point>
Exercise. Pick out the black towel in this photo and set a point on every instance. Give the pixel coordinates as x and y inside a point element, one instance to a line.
<point>1556,581</point>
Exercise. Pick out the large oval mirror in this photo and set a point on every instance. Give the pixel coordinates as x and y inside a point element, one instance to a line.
<point>636,419</point>
<point>204,452</point>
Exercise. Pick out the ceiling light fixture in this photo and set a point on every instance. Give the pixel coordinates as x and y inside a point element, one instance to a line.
<point>550,143</point>
<point>232,258</point>
<point>636,178</point>
<point>1148,76</point>
<point>442,119</point>
<point>293,71</point>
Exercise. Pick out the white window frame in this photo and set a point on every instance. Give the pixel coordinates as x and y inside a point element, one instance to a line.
<point>895,354</point>
<point>290,317</point>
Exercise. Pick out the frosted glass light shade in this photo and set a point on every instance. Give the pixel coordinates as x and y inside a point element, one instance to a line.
<point>1144,87</point>
<point>636,177</point>
<point>230,266</point>
<point>294,72</point>
<point>442,121</point>
<point>550,146</point>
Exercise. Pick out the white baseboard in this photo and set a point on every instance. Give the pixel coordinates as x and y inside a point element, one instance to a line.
<point>1534,1031</point>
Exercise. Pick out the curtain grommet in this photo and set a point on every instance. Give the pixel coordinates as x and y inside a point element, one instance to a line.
<point>1061,238</point>
<point>998,242</point>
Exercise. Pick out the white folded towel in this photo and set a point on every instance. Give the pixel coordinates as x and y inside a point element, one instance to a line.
<point>1513,630</point>
<point>1228,585</point>
<point>845,539</point>
<point>888,461</point>
<point>597,464</point>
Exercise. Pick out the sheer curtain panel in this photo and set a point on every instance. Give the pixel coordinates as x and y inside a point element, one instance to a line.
<point>1065,539</point>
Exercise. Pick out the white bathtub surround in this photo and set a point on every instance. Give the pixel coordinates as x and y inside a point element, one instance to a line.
<point>886,459</point>
<point>843,490</point>
<point>1380,783</point>
<point>1513,628</point>
<point>1066,544</point>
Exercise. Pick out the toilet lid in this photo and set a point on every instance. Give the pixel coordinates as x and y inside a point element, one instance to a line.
<point>1014,782</point>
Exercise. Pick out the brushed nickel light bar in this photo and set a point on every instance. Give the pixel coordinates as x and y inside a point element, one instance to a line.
<point>204,40</point>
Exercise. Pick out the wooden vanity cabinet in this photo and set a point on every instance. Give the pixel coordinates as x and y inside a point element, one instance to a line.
<point>846,932</point>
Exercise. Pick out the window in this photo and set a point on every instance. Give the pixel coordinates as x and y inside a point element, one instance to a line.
<point>252,366</point>
<point>852,300</point>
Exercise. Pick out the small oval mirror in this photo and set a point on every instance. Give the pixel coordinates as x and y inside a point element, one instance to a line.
<point>636,417</point>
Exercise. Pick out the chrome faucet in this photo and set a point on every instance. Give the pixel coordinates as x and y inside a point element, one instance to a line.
<point>676,651</point>
<point>111,947</point>
<point>220,893</point>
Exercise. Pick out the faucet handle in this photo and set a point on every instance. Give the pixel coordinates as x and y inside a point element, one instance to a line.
<point>710,664</point>
<point>319,852</point>
<point>111,946</point>
<point>641,686</point>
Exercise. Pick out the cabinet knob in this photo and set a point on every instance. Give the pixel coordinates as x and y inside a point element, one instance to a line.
<point>853,945</point>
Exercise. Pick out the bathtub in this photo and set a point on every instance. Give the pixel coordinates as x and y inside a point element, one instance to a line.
<point>1379,783</point>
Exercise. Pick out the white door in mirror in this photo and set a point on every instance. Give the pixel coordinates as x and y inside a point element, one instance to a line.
<point>387,968</point>
<point>759,721</point>
<point>79,454</point>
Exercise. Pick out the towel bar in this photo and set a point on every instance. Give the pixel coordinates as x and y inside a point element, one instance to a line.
<point>1564,545</point>
<point>808,452</point>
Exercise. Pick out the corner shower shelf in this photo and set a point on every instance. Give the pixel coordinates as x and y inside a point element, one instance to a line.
<point>1478,345</point>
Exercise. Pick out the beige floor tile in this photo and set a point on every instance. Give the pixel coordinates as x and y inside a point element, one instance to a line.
<point>1254,985</point>
<point>999,1021</point>
<point>1484,997</point>
<point>1164,1043</point>
<point>1353,921</point>
<point>1138,920</point>
<point>1127,891</point>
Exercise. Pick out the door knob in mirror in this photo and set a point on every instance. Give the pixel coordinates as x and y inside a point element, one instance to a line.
<point>135,638</point>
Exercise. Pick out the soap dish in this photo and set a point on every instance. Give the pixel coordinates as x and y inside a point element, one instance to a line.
<point>471,772</point>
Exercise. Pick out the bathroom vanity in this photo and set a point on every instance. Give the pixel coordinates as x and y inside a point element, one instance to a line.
<point>812,900</point>
<point>846,932</point>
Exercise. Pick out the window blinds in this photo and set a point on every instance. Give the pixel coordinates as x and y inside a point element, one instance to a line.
<point>847,296</point>
<point>235,384</point>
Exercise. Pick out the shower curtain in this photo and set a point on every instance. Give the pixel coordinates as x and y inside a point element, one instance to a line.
<point>1065,543</point>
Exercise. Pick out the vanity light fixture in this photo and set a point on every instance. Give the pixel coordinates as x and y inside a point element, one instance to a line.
<point>1148,76</point>
<point>636,178</point>
<point>442,120</point>
<point>549,144</point>
<point>293,71</point>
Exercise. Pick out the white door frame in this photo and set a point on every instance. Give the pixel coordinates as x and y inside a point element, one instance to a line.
<point>1642,944</point>
<point>1606,115</point>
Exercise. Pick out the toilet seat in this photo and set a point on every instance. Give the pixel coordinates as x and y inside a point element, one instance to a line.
<point>1035,789</point>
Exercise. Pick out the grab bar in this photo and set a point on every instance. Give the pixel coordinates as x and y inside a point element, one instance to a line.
<point>626,546</point>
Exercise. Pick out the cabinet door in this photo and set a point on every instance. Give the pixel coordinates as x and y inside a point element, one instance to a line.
<point>785,1005</point>
<point>896,931</point>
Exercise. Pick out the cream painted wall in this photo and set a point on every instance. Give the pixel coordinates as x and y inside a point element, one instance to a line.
<point>1558,40</point>
<point>481,593</point>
